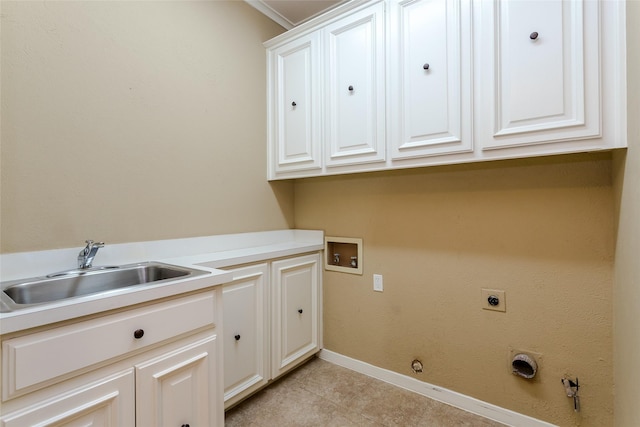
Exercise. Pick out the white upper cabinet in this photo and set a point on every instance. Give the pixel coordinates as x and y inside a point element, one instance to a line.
<point>410,83</point>
<point>355,110</point>
<point>294,113</point>
<point>540,70</point>
<point>542,74</point>
<point>429,82</point>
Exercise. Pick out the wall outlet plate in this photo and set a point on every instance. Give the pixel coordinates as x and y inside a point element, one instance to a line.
<point>378,285</point>
<point>493,299</point>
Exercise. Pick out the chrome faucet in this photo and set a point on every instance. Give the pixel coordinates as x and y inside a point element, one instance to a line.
<point>86,255</point>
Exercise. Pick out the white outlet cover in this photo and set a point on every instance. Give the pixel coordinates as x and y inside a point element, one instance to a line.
<point>378,284</point>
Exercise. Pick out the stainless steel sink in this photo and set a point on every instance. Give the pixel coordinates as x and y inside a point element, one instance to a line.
<point>76,283</point>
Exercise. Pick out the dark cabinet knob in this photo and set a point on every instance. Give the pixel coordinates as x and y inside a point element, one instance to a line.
<point>138,333</point>
<point>300,310</point>
<point>426,66</point>
<point>350,88</point>
<point>533,35</point>
<point>237,337</point>
<point>293,104</point>
<point>185,425</point>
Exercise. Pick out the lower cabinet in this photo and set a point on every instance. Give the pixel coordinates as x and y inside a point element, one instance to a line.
<point>109,401</point>
<point>175,389</point>
<point>246,336</point>
<point>157,365</point>
<point>296,311</point>
<point>271,322</point>
<point>166,363</point>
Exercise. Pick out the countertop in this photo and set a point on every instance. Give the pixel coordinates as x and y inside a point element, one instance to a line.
<point>210,253</point>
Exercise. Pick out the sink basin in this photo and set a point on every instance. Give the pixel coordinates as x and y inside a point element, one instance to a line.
<point>77,283</point>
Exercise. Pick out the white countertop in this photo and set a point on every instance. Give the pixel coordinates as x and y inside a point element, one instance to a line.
<point>211,253</point>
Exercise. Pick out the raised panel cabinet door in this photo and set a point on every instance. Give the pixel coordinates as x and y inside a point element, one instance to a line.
<point>430,63</point>
<point>295,311</point>
<point>539,71</point>
<point>295,106</point>
<point>109,402</point>
<point>180,387</point>
<point>246,326</point>
<point>355,88</point>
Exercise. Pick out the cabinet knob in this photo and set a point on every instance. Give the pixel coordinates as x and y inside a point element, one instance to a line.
<point>293,104</point>
<point>426,66</point>
<point>138,333</point>
<point>237,337</point>
<point>350,88</point>
<point>533,35</point>
<point>185,425</point>
<point>300,310</point>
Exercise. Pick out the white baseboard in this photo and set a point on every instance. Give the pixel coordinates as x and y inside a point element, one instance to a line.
<point>458,400</point>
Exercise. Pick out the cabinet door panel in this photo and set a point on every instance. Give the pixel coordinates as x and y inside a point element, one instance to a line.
<point>296,317</point>
<point>176,388</point>
<point>355,88</point>
<point>246,330</point>
<point>533,83</point>
<point>430,62</point>
<point>108,402</point>
<point>296,107</point>
<point>540,62</point>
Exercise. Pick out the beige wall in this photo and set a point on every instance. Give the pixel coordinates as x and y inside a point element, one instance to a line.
<point>627,268</point>
<point>134,120</point>
<point>540,229</point>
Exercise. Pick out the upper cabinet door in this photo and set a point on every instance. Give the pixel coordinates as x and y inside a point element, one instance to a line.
<point>355,82</point>
<point>294,108</point>
<point>539,64</point>
<point>429,83</point>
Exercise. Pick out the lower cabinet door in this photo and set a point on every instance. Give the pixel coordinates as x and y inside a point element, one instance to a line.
<point>109,402</point>
<point>246,330</point>
<point>178,388</point>
<point>295,311</point>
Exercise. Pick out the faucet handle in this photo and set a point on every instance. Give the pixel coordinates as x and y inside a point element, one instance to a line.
<point>90,244</point>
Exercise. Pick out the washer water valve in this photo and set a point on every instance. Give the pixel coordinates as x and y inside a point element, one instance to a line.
<point>571,388</point>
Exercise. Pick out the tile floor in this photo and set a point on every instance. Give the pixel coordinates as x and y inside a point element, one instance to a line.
<point>322,394</point>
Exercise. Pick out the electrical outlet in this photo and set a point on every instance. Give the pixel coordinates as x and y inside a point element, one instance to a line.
<point>377,282</point>
<point>493,299</point>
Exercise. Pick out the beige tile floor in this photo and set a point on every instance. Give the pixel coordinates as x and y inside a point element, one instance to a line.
<point>321,394</point>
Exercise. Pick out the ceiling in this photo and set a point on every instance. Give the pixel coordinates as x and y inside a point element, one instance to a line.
<point>290,13</point>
